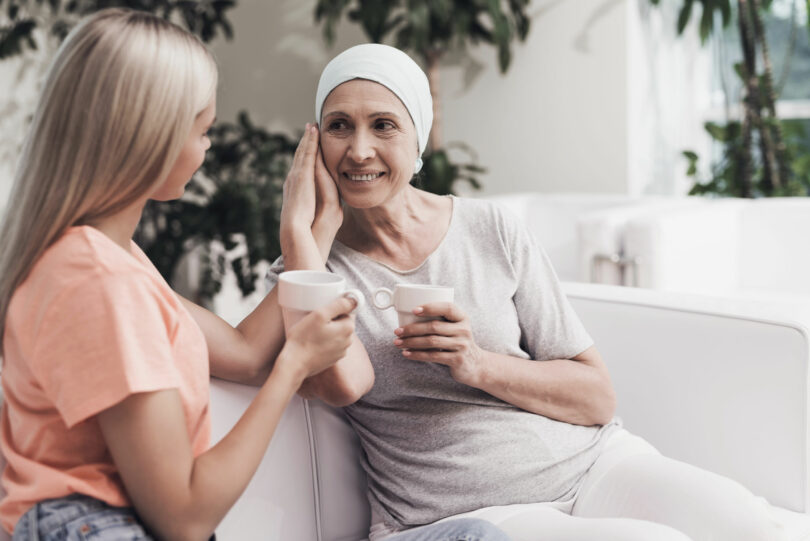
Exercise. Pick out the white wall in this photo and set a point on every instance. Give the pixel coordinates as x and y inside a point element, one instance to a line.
<point>556,121</point>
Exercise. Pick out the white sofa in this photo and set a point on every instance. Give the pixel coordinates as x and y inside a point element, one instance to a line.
<point>718,383</point>
<point>757,248</point>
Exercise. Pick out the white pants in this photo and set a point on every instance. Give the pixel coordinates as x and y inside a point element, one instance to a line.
<point>633,493</point>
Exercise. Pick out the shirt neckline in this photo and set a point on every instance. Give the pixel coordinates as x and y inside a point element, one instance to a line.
<point>450,226</point>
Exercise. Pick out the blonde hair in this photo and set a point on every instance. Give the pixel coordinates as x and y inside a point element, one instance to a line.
<point>117,106</point>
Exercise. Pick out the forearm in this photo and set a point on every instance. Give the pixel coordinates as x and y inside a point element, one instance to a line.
<point>181,497</point>
<point>301,250</point>
<point>220,475</point>
<point>324,232</point>
<point>566,390</point>
<point>244,353</point>
<point>345,382</point>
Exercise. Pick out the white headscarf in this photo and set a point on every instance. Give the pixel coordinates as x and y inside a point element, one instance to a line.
<point>391,68</point>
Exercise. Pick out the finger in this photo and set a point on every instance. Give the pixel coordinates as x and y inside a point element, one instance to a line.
<point>310,149</point>
<point>301,145</point>
<point>342,306</point>
<point>428,342</point>
<point>422,328</point>
<point>321,172</point>
<point>447,310</point>
<point>447,358</point>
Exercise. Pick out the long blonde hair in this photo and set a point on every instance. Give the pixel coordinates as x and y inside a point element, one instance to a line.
<point>118,103</point>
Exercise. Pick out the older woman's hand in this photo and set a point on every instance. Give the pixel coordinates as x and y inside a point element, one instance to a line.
<point>298,206</point>
<point>328,211</point>
<point>448,341</point>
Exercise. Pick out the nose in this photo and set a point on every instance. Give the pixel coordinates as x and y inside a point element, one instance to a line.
<point>361,147</point>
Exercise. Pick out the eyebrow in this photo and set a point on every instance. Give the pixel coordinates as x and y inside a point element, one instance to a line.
<point>372,115</point>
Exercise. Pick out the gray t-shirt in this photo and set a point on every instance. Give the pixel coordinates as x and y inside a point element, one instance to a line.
<point>435,447</point>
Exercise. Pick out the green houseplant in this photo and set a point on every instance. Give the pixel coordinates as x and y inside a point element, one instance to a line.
<point>761,154</point>
<point>430,29</point>
<point>229,216</point>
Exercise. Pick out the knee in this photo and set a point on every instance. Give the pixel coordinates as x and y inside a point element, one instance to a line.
<point>755,523</point>
<point>476,529</point>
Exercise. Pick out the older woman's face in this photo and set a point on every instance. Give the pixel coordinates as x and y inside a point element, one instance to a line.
<point>368,141</point>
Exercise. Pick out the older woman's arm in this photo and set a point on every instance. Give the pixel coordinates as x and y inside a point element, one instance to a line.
<point>576,391</point>
<point>305,216</point>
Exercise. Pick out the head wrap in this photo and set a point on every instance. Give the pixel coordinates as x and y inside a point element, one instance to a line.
<point>391,68</point>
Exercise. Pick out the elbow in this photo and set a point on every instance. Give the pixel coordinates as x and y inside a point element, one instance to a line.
<point>348,391</point>
<point>603,407</point>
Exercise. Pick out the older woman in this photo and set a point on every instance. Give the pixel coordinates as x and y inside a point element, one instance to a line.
<point>501,409</point>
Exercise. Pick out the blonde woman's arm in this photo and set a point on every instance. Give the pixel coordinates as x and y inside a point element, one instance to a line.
<point>181,497</point>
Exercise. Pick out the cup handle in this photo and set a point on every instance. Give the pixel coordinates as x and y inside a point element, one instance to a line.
<point>379,291</point>
<point>357,296</point>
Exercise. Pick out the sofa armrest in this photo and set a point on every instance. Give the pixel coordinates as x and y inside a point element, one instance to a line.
<point>719,383</point>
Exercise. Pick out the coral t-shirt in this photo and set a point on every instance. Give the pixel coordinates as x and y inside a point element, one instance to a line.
<point>91,325</point>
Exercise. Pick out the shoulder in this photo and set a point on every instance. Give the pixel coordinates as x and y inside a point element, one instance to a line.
<point>483,216</point>
<point>81,275</point>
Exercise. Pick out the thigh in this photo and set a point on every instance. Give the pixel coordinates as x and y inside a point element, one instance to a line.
<point>79,518</point>
<point>542,523</point>
<point>704,505</point>
<point>460,529</point>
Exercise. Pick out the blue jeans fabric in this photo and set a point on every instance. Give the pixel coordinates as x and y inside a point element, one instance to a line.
<point>460,529</point>
<point>79,518</point>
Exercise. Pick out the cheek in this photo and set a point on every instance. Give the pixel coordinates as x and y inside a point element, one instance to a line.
<point>331,153</point>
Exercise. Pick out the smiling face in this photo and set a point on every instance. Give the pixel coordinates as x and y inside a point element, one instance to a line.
<point>191,156</point>
<point>368,142</point>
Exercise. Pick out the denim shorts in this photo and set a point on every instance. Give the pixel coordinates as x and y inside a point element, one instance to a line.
<point>77,518</point>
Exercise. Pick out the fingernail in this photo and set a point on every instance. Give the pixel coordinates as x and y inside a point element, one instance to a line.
<point>397,342</point>
<point>406,352</point>
<point>418,310</point>
<point>398,331</point>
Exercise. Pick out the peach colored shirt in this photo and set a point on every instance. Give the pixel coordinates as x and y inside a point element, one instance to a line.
<point>90,325</point>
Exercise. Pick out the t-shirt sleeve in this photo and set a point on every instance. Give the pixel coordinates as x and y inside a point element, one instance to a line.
<point>102,340</point>
<point>271,278</point>
<point>549,326</point>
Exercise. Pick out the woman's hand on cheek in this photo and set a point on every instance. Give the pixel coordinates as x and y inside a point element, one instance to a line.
<point>328,211</point>
<point>448,341</point>
<point>298,207</point>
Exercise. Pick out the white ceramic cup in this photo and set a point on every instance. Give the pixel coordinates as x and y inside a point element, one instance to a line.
<point>405,297</point>
<point>302,291</point>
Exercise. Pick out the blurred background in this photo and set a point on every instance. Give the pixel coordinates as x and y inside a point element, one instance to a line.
<point>647,143</point>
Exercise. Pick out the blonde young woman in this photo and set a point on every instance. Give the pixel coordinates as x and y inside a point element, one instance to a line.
<point>106,420</point>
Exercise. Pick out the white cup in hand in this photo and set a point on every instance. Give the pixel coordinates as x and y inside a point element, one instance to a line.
<point>405,297</point>
<point>300,292</point>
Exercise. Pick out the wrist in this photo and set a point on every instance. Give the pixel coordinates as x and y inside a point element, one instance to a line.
<point>291,235</point>
<point>481,374</point>
<point>288,367</point>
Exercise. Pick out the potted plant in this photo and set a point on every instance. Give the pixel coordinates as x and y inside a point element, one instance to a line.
<point>761,154</point>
